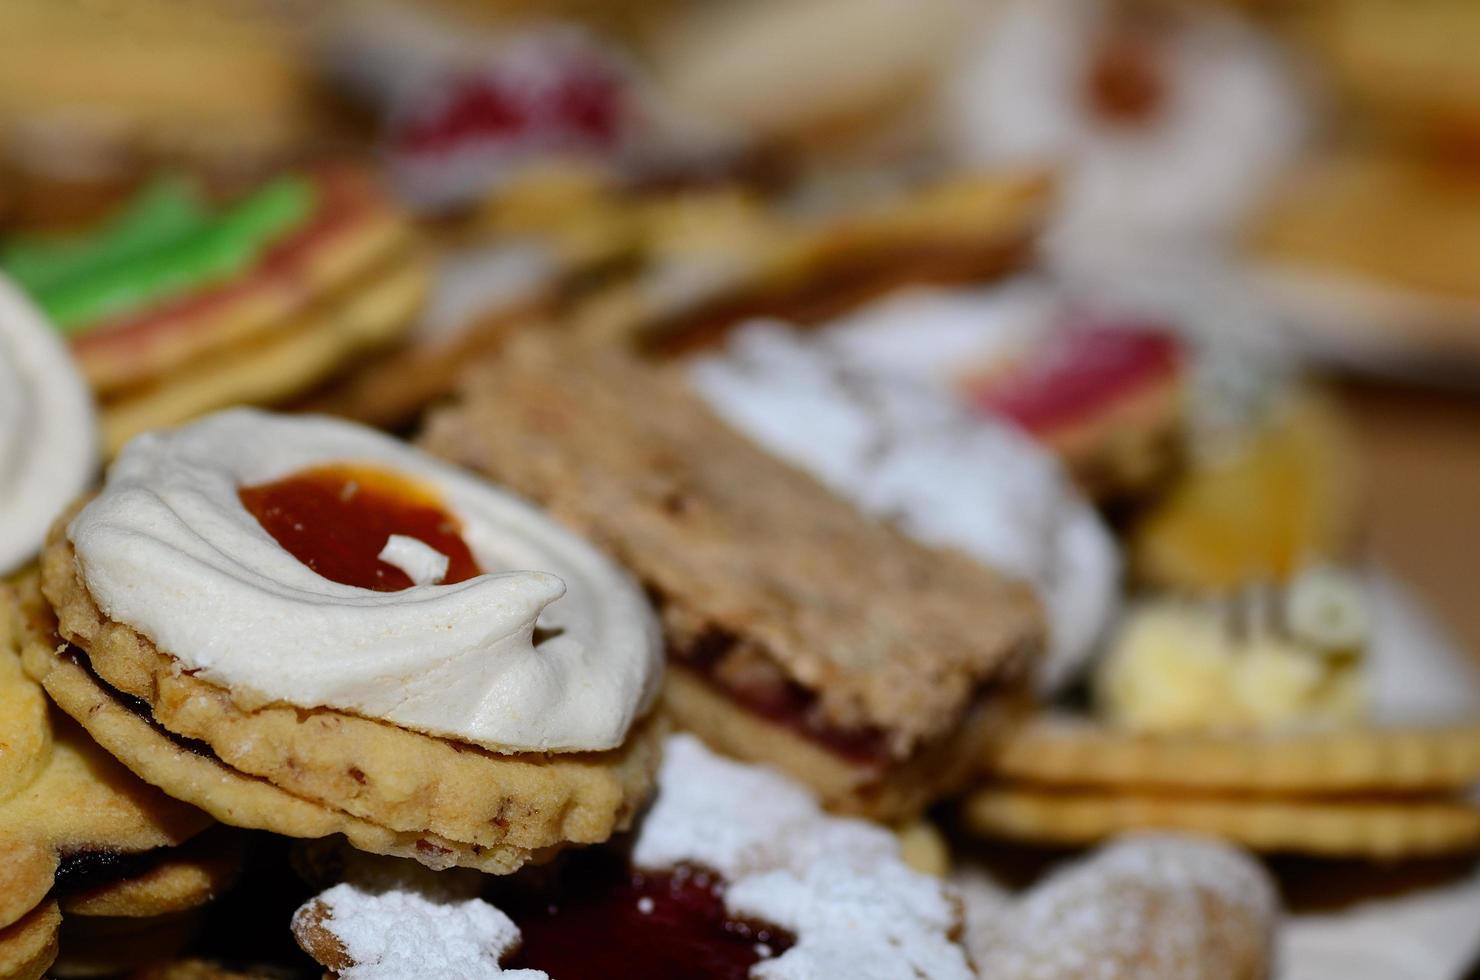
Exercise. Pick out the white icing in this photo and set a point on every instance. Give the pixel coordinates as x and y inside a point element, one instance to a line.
<point>1230,120</point>
<point>839,885</point>
<point>484,283</point>
<point>859,412</point>
<point>48,429</point>
<point>422,563</point>
<point>419,930</point>
<point>169,549</point>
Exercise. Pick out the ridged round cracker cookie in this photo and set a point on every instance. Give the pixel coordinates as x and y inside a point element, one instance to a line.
<point>1353,828</point>
<point>1060,750</point>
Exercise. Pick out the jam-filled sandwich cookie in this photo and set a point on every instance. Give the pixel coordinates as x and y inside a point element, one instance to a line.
<point>48,429</point>
<point>1249,718</point>
<point>178,304</point>
<point>704,269</point>
<point>304,626</point>
<point>906,452</point>
<point>735,872</point>
<point>801,632</point>
<point>83,838</point>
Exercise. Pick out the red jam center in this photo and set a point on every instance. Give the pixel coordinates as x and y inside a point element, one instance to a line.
<point>582,107</point>
<point>1124,83</point>
<point>1074,375</point>
<point>605,921</point>
<point>336,519</point>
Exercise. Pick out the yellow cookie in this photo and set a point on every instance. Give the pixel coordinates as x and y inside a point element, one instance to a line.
<point>1349,828</point>
<point>1067,752</point>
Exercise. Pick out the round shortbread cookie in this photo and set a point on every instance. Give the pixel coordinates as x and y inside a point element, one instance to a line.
<point>1379,828</point>
<point>406,783</point>
<point>233,797</point>
<point>1063,751</point>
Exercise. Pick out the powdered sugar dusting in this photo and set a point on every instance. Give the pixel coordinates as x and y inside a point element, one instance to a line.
<point>839,885</point>
<point>418,928</point>
<point>1149,907</point>
<point>901,448</point>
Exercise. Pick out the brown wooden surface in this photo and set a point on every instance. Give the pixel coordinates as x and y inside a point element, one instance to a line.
<point>1422,456</point>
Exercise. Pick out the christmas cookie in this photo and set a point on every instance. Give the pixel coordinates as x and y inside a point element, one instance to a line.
<point>177,304</point>
<point>800,632</point>
<point>734,873</point>
<point>394,650</point>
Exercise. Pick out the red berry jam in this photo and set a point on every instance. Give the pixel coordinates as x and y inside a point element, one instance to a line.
<point>336,519</point>
<point>603,920</point>
<point>1075,375</point>
<point>571,103</point>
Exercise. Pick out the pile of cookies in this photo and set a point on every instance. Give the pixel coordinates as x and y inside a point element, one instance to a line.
<point>693,533</point>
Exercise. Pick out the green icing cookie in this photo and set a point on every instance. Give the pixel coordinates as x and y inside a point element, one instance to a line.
<point>165,243</point>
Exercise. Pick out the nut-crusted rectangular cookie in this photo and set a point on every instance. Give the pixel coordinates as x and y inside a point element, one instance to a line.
<point>800,632</point>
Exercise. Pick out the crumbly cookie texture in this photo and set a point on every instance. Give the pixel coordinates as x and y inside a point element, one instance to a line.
<point>1149,908</point>
<point>28,946</point>
<point>61,795</point>
<point>740,550</point>
<point>401,790</point>
<point>78,798</point>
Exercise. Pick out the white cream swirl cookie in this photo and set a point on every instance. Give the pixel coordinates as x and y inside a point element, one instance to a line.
<point>905,452</point>
<point>169,548</point>
<point>48,428</point>
<point>302,625</point>
<point>1166,127</point>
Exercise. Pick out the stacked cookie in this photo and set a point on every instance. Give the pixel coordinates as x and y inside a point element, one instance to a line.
<point>1249,720</point>
<point>176,305</point>
<point>83,839</point>
<point>800,633</point>
<point>410,702</point>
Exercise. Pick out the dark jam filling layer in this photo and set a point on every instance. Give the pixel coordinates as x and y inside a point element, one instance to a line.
<point>1076,374</point>
<point>598,919</point>
<point>336,520</point>
<point>783,701</point>
<point>135,705</point>
<point>583,109</point>
<point>84,868</point>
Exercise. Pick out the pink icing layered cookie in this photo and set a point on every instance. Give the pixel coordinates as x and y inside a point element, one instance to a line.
<point>178,303</point>
<point>1101,387</point>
